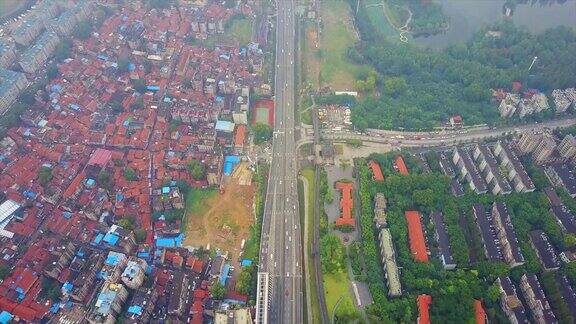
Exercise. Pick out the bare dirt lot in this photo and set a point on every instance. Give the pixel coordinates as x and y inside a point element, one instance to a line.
<point>221,220</point>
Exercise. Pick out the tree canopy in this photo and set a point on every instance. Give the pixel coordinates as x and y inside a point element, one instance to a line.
<point>262,133</point>
<point>196,169</point>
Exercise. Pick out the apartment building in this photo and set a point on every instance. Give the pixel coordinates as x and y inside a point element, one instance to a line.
<point>441,235</point>
<point>11,85</point>
<point>510,302</point>
<point>380,210</point>
<point>389,262</point>
<point>564,218</point>
<point>561,101</point>
<point>506,235</point>
<point>508,105</point>
<point>135,272</point>
<point>567,148</point>
<point>108,304</point>
<point>490,170</point>
<point>567,292</point>
<point>544,149</point>
<point>492,248</point>
<point>536,299</point>
<point>7,54</point>
<point>562,176</point>
<point>544,250</point>
<point>517,175</point>
<point>36,56</point>
<point>527,142</point>
<point>469,171</point>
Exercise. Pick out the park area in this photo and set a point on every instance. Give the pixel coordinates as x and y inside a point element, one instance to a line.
<point>220,219</point>
<point>327,64</point>
<point>339,300</point>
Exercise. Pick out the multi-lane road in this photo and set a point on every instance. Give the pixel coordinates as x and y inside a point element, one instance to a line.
<point>426,139</point>
<point>281,242</point>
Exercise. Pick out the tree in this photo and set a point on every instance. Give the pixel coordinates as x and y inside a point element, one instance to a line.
<point>104,178</point>
<point>139,85</point>
<point>123,64</point>
<point>140,235</point>
<point>332,253</point>
<point>138,104</point>
<point>395,86</point>
<point>83,30</point>
<point>244,281</point>
<point>196,169</point>
<point>127,223</point>
<point>45,175</point>
<point>62,50</point>
<point>218,291</point>
<point>130,174</point>
<point>262,133</point>
<point>52,71</point>
<point>4,271</point>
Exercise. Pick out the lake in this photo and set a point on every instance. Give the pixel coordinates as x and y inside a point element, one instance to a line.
<point>468,16</point>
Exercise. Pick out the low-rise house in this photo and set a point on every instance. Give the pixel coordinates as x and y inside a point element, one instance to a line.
<point>562,175</point>
<point>109,304</point>
<point>492,248</point>
<point>389,261</point>
<point>510,303</point>
<point>469,171</point>
<point>84,267</point>
<point>506,235</point>
<point>517,175</point>
<point>544,250</point>
<point>441,235</point>
<point>236,316</point>
<point>178,293</point>
<point>536,299</point>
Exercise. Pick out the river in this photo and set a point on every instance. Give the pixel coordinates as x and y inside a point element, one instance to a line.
<point>468,16</point>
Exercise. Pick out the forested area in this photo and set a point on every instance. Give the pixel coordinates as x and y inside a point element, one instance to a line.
<point>452,292</point>
<point>420,88</point>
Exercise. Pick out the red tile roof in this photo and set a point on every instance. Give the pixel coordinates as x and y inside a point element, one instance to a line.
<point>424,302</point>
<point>479,312</point>
<point>240,134</point>
<point>378,176</point>
<point>416,236</point>
<point>346,204</point>
<point>401,165</point>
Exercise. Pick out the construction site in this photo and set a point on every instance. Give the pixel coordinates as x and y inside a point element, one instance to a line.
<point>221,219</point>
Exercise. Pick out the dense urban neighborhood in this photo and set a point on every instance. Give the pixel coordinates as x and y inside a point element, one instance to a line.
<point>288,161</point>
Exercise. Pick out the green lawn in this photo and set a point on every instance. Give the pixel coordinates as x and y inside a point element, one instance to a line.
<point>337,286</point>
<point>337,36</point>
<point>309,175</point>
<point>379,21</point>
<point>194,202</point>
<point>241,29</point>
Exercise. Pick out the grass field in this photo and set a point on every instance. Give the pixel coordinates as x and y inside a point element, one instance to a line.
<point>309,175</point>
<point>378,18</point>
<point>337,36</point>
<point>241,29</point>
<point>337,286</point>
